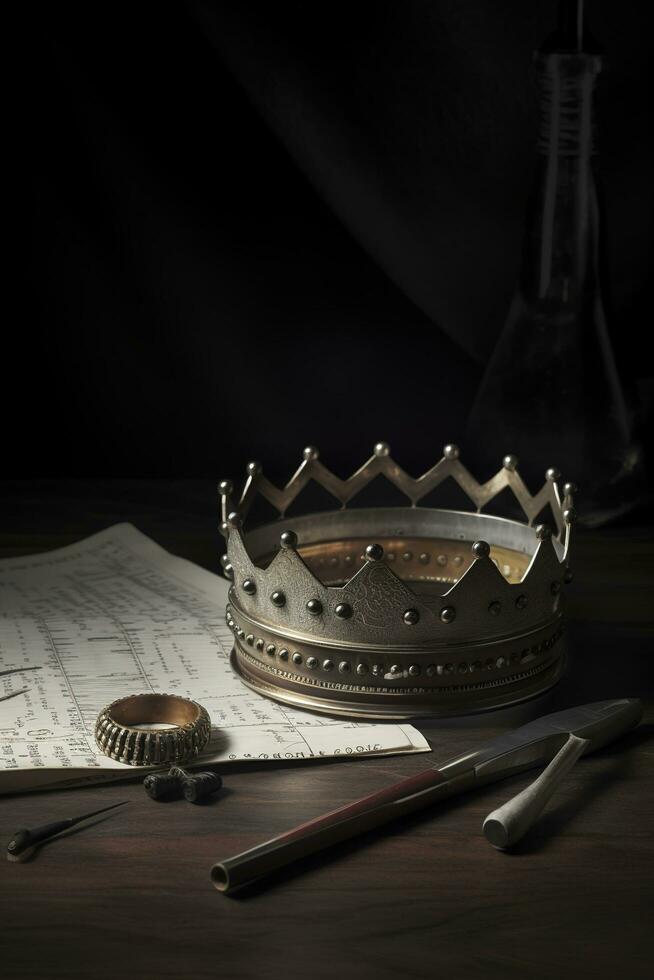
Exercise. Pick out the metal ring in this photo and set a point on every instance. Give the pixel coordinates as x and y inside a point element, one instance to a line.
<point>117,737</point>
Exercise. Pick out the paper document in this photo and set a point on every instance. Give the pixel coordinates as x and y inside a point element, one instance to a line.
<point>116,615</point>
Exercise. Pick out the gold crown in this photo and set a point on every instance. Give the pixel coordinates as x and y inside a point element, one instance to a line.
<point>398,611</point>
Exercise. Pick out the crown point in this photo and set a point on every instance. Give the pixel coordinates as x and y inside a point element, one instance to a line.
<point>310,452</point>
<point>481,549</point>
<point>225,487</point>
<point>451,451</point>
<point>382,449</point>
<point>569,515</point>
<point>253,468</point>
<point>569,489</point>
<point>544,532</point>
<point>374,552</point>
<point>288,539</point>
<point>234,519</point>
<point>552,474</point>
<point>510,463</point>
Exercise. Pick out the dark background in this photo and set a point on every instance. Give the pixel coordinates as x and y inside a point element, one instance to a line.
<point>257,226</point>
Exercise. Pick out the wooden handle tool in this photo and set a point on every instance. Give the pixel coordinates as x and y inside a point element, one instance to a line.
<point>508,824</point>
<point>552,737</point>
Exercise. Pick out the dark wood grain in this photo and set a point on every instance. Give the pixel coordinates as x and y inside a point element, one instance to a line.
<point>425,897</point>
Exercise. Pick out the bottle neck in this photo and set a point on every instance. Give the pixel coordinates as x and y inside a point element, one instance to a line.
<point>560,258</point>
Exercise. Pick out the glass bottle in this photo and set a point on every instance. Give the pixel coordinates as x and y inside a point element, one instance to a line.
<point>551,393</point>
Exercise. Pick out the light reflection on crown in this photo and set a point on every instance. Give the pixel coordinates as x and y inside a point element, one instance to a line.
<point>398,611</point>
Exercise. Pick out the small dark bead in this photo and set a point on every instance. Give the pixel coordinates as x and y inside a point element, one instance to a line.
<point>374,552</point>
<point>201,786</point>
<point>343,610</point>
<point>160,786</point>
<point>278,598</point>
<point>249,586</point>
<point>314,606</point>
<point>481,549</point>
<point>288,539</point>
<point>521,601</point>
<point>411,617</point>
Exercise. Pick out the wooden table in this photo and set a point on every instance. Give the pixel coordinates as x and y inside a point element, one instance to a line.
<point>427,897</point>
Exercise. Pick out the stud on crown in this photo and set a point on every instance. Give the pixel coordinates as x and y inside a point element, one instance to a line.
<point>427,610</point>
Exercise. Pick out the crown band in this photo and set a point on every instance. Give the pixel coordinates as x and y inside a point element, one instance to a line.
<point>401,611</point>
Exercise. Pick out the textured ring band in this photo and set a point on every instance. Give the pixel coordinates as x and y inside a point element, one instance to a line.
<point>117,736</point>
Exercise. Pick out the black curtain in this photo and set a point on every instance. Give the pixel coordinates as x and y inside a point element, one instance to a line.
<point>262,225</point>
